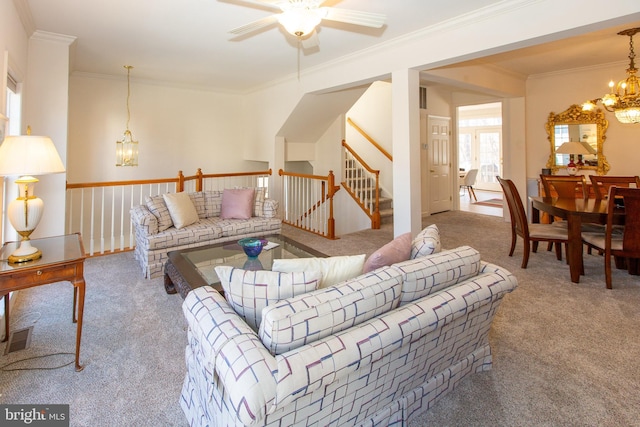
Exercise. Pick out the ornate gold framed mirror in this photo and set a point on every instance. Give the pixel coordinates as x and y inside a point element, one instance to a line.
<point>587,127</point>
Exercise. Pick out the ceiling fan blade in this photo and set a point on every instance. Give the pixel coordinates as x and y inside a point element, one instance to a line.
<point>255,25</point>
<point>310,41</point>
<point>367,19</point>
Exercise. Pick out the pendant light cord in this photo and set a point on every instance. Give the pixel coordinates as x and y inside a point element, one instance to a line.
<point>128,67</point>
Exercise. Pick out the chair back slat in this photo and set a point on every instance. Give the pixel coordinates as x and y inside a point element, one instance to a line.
<point>516,208</point>
<point>602,184</point>
<point>567,187</point>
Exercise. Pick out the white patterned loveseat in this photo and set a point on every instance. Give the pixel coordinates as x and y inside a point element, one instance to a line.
<point>159,231</point>
<point>373,350</point>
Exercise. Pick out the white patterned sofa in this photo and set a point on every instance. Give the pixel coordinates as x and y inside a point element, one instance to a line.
<point>373,350</point>
<point>157,233</point>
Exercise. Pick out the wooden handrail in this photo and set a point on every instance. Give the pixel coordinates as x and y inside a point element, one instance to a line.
<point>368,138</point>
<point>179,180</point>
<point>359,159</point>
<point>118,183</point>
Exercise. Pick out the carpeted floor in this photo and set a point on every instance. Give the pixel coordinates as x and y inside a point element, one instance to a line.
<point>564,353</point>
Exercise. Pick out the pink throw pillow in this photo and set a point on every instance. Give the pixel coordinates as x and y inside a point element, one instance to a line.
<point>397,250</point>
<point>237,203</point>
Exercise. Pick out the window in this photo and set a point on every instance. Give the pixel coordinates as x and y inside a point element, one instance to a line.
<point>13,106</point>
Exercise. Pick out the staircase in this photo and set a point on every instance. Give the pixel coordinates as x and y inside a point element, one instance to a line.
<point>361,184</point>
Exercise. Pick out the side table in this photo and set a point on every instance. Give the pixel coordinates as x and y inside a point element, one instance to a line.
<point>62,260</point>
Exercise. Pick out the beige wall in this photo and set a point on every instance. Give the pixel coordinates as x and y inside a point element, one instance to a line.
<point>177,129</point>
<point>555,93</point>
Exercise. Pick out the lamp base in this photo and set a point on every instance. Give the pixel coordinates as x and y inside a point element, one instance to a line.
<point>24,253</point>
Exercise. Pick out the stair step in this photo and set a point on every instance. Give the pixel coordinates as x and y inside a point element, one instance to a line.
<point>386,203</point>
<point>386,216</point>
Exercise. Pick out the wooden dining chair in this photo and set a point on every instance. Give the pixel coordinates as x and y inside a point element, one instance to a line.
<point>568,187</point>
<point>530,233</point>
<point>565,186</point>
<point>621,245</point>
<point>601,183</point>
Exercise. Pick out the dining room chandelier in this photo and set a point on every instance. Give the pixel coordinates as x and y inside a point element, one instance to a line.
<point>127,148</point>
<point>623,99</point>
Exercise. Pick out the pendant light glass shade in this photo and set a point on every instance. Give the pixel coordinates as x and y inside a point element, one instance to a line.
<point>127,148</point>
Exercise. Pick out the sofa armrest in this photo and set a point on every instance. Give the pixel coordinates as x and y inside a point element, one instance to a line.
<point>270,208</point>
<point>143,220</point>
<point>241,364</point>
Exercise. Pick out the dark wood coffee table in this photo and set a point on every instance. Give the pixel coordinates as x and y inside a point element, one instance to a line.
<point>191,268</point>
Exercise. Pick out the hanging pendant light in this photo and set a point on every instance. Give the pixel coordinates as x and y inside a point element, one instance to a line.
<point>624,98</point>
<point>127,149</point>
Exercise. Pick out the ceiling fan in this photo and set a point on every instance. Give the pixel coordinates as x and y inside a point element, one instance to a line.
<point>301,17</point>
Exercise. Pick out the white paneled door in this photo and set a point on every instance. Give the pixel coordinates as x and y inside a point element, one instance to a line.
<point>438,153</point>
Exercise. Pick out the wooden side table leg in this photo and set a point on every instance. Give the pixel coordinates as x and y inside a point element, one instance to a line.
<point>75,304</point>
<point>6,318</point>
<point>80,287</point>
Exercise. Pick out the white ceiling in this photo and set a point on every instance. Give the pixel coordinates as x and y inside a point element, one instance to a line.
<point>187,41</point>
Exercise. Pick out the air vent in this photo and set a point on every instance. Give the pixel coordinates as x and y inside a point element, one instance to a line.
<point>423,98</point>
<point>19,340</point>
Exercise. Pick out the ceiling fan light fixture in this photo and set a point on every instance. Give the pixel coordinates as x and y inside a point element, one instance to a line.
<point>299,22</point>
<point>623,98</point>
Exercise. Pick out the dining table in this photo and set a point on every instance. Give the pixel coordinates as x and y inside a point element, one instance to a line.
<point>576,211</point>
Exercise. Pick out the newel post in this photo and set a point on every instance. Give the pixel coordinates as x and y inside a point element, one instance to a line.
<point>180,182</point>
<point>331,222</point>
<point>375,218</point>
<point>199,180</point>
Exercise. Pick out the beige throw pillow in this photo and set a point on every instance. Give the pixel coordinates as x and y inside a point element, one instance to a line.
<point>334,269</point>
<point>181,209</point>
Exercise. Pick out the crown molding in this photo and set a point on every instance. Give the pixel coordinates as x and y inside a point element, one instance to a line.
<point>53,37</point>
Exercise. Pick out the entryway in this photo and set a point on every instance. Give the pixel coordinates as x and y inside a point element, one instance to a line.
<point>487,203</point>
<point>480,147</point>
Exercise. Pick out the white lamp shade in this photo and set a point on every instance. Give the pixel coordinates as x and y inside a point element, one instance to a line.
<point>29,155</point>
<point>575,147</point>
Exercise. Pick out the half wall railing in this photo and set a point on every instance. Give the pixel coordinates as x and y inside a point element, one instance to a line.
<point>100,210</point>
<point>307,202</point>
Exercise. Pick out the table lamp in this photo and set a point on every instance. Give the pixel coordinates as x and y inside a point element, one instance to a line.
<point>573,148</point>
<point>26,156</point>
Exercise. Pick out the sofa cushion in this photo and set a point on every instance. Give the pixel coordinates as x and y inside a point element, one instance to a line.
<point>426,242</point>
<point>158,208</point>
<point>334,269</point>
<point>397,250</point>
<point>197,199</point>
<point>200,233</point>
<point>254,226</point>
<point>258,201</point>
<point>294,322</point>
<point>212,203</point>
<point>431,273</point>
<point>181,209</point>
<point>237,203</point>
<point>249,292</point>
